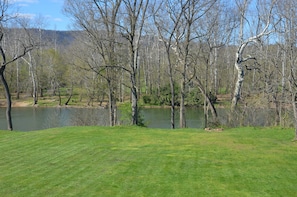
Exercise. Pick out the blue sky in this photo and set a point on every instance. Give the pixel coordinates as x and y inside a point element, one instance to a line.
<point>50,11</point>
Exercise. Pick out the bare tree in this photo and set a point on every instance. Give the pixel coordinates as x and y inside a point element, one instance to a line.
<point>214,32</point>
<point>32,73</point>
<point>131,27</point>
<point>264,27</point>
<point>5,18</point>
<point>167,23</point>
<point>287,43</point>
<point>99,21</point>
<point>183,17</point>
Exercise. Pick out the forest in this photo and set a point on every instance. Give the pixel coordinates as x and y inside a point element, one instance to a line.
<point>176,53</point>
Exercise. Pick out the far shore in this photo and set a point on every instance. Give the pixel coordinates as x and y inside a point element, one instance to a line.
<point>53,102</point>
<point>16,104</point>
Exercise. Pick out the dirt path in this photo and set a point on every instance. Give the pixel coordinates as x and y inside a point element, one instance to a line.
<point>15,103</point>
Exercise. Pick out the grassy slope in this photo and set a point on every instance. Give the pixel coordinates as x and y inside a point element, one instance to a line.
<point>131,161</point>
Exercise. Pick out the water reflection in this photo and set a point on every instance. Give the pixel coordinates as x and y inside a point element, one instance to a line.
<point>30,118</point>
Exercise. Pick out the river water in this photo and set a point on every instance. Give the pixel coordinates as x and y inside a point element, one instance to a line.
<point>37,118</point>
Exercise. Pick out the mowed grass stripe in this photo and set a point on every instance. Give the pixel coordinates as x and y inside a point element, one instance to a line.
<point>70,167</point>
<point>132,161</point>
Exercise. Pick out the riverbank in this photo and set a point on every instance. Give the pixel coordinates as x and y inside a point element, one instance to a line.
<point>53,101</point>
<point>15,104</point>
<point>50,102</point>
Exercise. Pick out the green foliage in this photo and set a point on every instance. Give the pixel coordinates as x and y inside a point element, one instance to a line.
<point>193,97</point>
<point>147,99</point>
<point>126,115</point>
<point>164,98</point>
<point>134,161</point>
<point>165,95</point>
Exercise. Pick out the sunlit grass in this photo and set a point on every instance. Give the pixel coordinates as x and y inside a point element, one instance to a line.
<point>132,161</point>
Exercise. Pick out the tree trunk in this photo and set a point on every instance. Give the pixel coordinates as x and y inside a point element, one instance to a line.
<point>34,83</point>
<point>215,70</point>
<point>17,81</point>
<point>33,77</point>
<point>8,99</point>
<point>172,107</point>
<point>294,100</point>
<point>111,108</point>
<point>158,71</point>
<point>182,116</point>
<point>59,94</point>
<point>207,99</point>
<point>238,84</point>
<point>35,91</point>
<point>134,100</point>
<point>71,93</point>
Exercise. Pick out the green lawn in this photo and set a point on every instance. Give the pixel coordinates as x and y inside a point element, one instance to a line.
<point>132,161</point>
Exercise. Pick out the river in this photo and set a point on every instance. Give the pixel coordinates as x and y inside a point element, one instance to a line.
<point>37,118</point>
